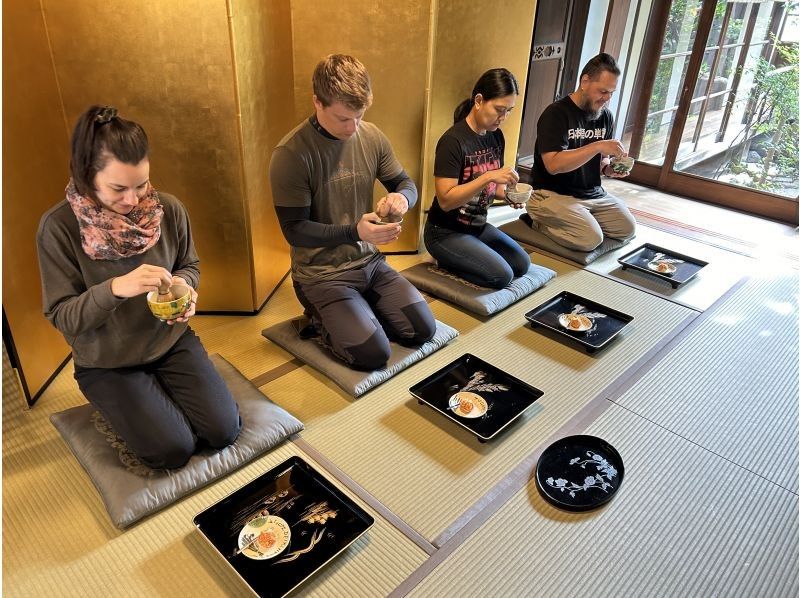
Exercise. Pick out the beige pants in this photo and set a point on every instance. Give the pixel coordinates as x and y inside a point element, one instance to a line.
<point>580,224</point>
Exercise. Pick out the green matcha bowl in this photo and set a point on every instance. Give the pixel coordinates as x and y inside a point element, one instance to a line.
<point>169,310</point>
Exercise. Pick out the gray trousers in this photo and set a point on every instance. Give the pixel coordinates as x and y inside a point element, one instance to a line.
<point>580,224</point>
<point>163,410</point>
<point>359,311</point>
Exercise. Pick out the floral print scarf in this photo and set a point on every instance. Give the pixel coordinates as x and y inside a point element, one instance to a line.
<point>106,235</point>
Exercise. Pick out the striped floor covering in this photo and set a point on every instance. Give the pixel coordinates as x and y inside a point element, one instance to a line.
<point>709,504</point>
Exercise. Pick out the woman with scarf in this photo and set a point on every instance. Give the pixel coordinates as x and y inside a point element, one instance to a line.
<point>101,250</point>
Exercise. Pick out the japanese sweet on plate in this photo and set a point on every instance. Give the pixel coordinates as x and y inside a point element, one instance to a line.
<point>661,267</point>
<point>468,404</point>
<point>575,322</point>
<point>264,537</point>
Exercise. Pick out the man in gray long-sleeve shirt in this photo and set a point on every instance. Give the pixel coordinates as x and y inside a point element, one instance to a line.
<point>322,175</point>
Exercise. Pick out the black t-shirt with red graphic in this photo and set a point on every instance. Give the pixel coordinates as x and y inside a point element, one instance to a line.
<point>464,155</point>
<point>565,126</point>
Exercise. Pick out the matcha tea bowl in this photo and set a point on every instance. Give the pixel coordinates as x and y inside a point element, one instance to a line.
<point>518,194</point>
<point>175,305</point>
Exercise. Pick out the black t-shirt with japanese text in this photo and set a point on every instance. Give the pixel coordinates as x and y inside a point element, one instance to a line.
<point>565,126</point>
<point>464,155</point>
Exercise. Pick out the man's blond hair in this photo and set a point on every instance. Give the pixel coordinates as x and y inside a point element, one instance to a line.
<point>342,78</point>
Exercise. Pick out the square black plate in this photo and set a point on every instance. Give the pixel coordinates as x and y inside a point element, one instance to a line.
<point>684,272</point>
<point>604,328</point>
<point>317,513</point>
<point>506,397</point>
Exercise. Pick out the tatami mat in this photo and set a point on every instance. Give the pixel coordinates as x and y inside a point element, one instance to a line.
<point>59,542</point>
<point>233,336</point>
<point>737,371</point>
<point>426,469</point>
<point>684,523</point>
<point>724,268</point>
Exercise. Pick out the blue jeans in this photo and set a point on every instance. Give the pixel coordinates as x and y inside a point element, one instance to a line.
<point>491,259</point>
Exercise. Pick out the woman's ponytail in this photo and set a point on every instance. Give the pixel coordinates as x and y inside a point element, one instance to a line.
<point>462,110</point>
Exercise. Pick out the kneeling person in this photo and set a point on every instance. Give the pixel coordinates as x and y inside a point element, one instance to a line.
<point>573,148</point>
<point>101,250</point>
<point>322,175</point>
<point>469,174</point>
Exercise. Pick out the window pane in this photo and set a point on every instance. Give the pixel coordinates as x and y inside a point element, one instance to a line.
<point>669,80</point>
<point>716,24</point>
<point>736,29</point>
<point>727,64</point>
<point>656,135</point>
<point>750,137</point>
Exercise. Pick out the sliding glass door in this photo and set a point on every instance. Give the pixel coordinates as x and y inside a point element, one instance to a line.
<point>715,112</point>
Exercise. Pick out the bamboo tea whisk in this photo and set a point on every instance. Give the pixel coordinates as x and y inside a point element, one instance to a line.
<point>164,293</point>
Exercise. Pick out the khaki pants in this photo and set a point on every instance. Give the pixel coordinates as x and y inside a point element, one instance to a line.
<point>580,224</point>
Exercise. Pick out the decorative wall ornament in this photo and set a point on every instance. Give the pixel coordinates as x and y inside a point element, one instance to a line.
<point>548,51</point>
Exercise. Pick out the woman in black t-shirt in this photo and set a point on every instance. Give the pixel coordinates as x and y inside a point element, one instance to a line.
<point>469,174</point>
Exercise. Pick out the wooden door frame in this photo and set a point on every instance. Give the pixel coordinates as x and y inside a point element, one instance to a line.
<point>616,19</point>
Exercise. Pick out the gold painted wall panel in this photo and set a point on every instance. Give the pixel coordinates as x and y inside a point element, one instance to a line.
<point>262,37</point>
<point>168,65</point>
<point>35,164</point>
<point>391,39</point>
<point>469,40</point>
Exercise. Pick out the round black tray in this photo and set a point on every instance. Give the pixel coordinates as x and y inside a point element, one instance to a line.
<point>565,467</point>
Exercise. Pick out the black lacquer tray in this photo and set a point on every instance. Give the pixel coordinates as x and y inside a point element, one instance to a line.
<point>579,473</point>
<point>300,521</point>
<point>606,322</point>
<point>495,398</point>
<point>643,258</point>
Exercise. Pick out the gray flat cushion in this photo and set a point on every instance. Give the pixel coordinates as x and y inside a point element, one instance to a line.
<point>354,382</point>
<point>520,231</point>
<point>131,490</point>
<point>479,300</point>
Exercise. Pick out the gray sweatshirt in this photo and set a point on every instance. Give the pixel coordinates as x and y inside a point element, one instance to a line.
<point>103,330</point>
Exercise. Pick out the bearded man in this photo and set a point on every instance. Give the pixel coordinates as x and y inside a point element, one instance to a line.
<point>574,147</point>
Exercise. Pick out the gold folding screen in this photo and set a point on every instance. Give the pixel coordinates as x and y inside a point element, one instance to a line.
<point>216,84</point>
<point>35,158</point>
<point>262,48</point>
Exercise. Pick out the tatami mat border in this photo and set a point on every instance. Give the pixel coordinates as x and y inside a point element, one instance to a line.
<point>276,372</point>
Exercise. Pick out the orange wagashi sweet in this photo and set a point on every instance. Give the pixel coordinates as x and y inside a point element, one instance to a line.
<point>266,540</point>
